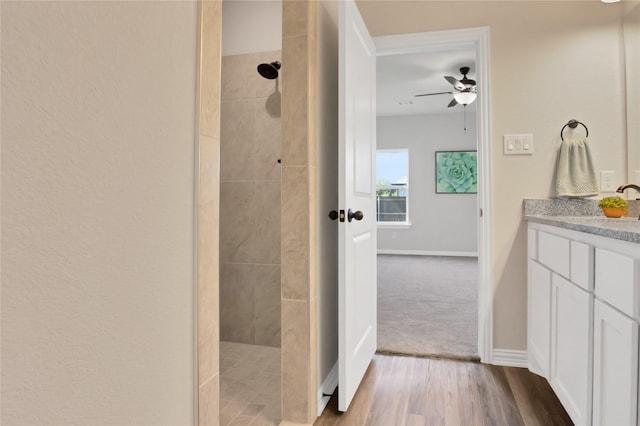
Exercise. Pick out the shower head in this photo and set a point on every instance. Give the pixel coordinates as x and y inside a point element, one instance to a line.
<point>269,71</point>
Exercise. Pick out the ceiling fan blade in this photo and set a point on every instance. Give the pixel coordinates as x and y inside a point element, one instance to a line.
<point>431,94</point>
<point>454,82</point>
<point>452,103</point>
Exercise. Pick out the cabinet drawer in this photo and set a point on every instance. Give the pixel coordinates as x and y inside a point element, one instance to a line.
<point>554,253</point>
<point>617,281</point>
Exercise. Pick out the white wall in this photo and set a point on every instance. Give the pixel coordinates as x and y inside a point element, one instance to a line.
<point>550,62</point>
<point>440,223</point>
<point>98,119</point>
<point>327,188</point>
<point>251,26</point>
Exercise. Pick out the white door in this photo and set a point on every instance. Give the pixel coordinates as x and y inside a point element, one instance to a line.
<point>357,234</point>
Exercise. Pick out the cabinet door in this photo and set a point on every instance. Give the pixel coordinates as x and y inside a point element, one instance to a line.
<point>539,318</point>
<point>615,367</point>
<point>571,348</point>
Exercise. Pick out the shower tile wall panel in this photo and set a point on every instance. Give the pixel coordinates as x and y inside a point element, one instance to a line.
<point>250,192</point>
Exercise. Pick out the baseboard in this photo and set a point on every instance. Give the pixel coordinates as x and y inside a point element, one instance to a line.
<point>429,253</point>
<point>510,358</point>
<point>327,388</point>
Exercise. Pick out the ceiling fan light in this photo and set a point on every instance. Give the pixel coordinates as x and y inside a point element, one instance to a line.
<point>464,98</point>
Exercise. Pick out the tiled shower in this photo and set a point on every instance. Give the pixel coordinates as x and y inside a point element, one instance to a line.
<point>250,182</point>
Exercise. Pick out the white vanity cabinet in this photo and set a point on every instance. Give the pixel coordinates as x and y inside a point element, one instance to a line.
<point>583,314</point>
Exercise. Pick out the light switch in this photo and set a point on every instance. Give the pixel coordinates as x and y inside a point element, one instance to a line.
<point>518,144</point>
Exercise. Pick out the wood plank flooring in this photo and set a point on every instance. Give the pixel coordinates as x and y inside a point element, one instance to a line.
<point>398,391</point>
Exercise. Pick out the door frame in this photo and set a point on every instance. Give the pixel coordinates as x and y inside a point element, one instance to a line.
<point>479,39</point>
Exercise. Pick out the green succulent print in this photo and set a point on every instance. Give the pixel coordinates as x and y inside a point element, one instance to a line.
<point>457,172</point>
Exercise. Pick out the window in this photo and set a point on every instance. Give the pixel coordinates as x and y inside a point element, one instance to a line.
<point>392,185</point>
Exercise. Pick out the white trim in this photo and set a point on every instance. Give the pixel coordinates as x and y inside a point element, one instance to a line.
<point>327,388</point>
<point>510,358</point>
<point>394,225</point>
<point>429,253</point>
<point>479,39</point>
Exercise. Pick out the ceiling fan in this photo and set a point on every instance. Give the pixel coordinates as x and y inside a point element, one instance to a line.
<point>465,89</point>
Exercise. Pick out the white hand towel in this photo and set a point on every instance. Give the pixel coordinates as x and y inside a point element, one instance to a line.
<point>576,174</point>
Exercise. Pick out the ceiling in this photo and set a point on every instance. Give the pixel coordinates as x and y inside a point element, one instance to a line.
<point>401,77</point>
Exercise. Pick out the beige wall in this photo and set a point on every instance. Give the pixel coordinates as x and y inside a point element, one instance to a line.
<point>98,113</point>
<point>251,144</point>
<point>549,62</point>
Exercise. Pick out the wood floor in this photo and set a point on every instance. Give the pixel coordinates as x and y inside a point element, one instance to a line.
<point>398,391</point>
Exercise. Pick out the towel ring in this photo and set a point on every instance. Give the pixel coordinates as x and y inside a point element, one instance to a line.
<point>573,124</point>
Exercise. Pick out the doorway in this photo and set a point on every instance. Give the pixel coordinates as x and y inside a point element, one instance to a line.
<point>476,42</point>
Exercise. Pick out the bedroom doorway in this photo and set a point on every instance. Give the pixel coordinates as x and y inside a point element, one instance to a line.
<point>433,262</point>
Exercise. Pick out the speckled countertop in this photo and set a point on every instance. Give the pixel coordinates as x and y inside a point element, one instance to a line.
<point>584,216</point>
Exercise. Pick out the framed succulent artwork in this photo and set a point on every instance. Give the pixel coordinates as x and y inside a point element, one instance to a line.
<point>456,172</point>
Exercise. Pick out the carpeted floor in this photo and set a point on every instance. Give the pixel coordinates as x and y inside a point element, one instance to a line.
<point>428,306</point>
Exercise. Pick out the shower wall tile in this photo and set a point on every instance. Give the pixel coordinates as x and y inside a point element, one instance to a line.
<point>208,324</point>
<point>295,233</point>
<point>237,71</point>
<point>294,18</point>
<point>267,305</point>
<point>266,235</point>
<point>295,108</point>
<point>208,272</point>
<point>237,307</point>
<point>313,230</point>
<point>237,219</point>
<point>237,140</point>
<point>299,260</point>
<point>240,77</point>
<point>295,361</point>
<point>209,402</point>
<point>313,359</point>
<point>312,133</point>
<point>250,249</point>
<point>210,73</point>
<point>312,23</point>
<point>267,138</point>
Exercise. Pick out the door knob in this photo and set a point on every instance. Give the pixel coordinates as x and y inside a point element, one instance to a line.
<point>358,215</point>
<point>333,215</point>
